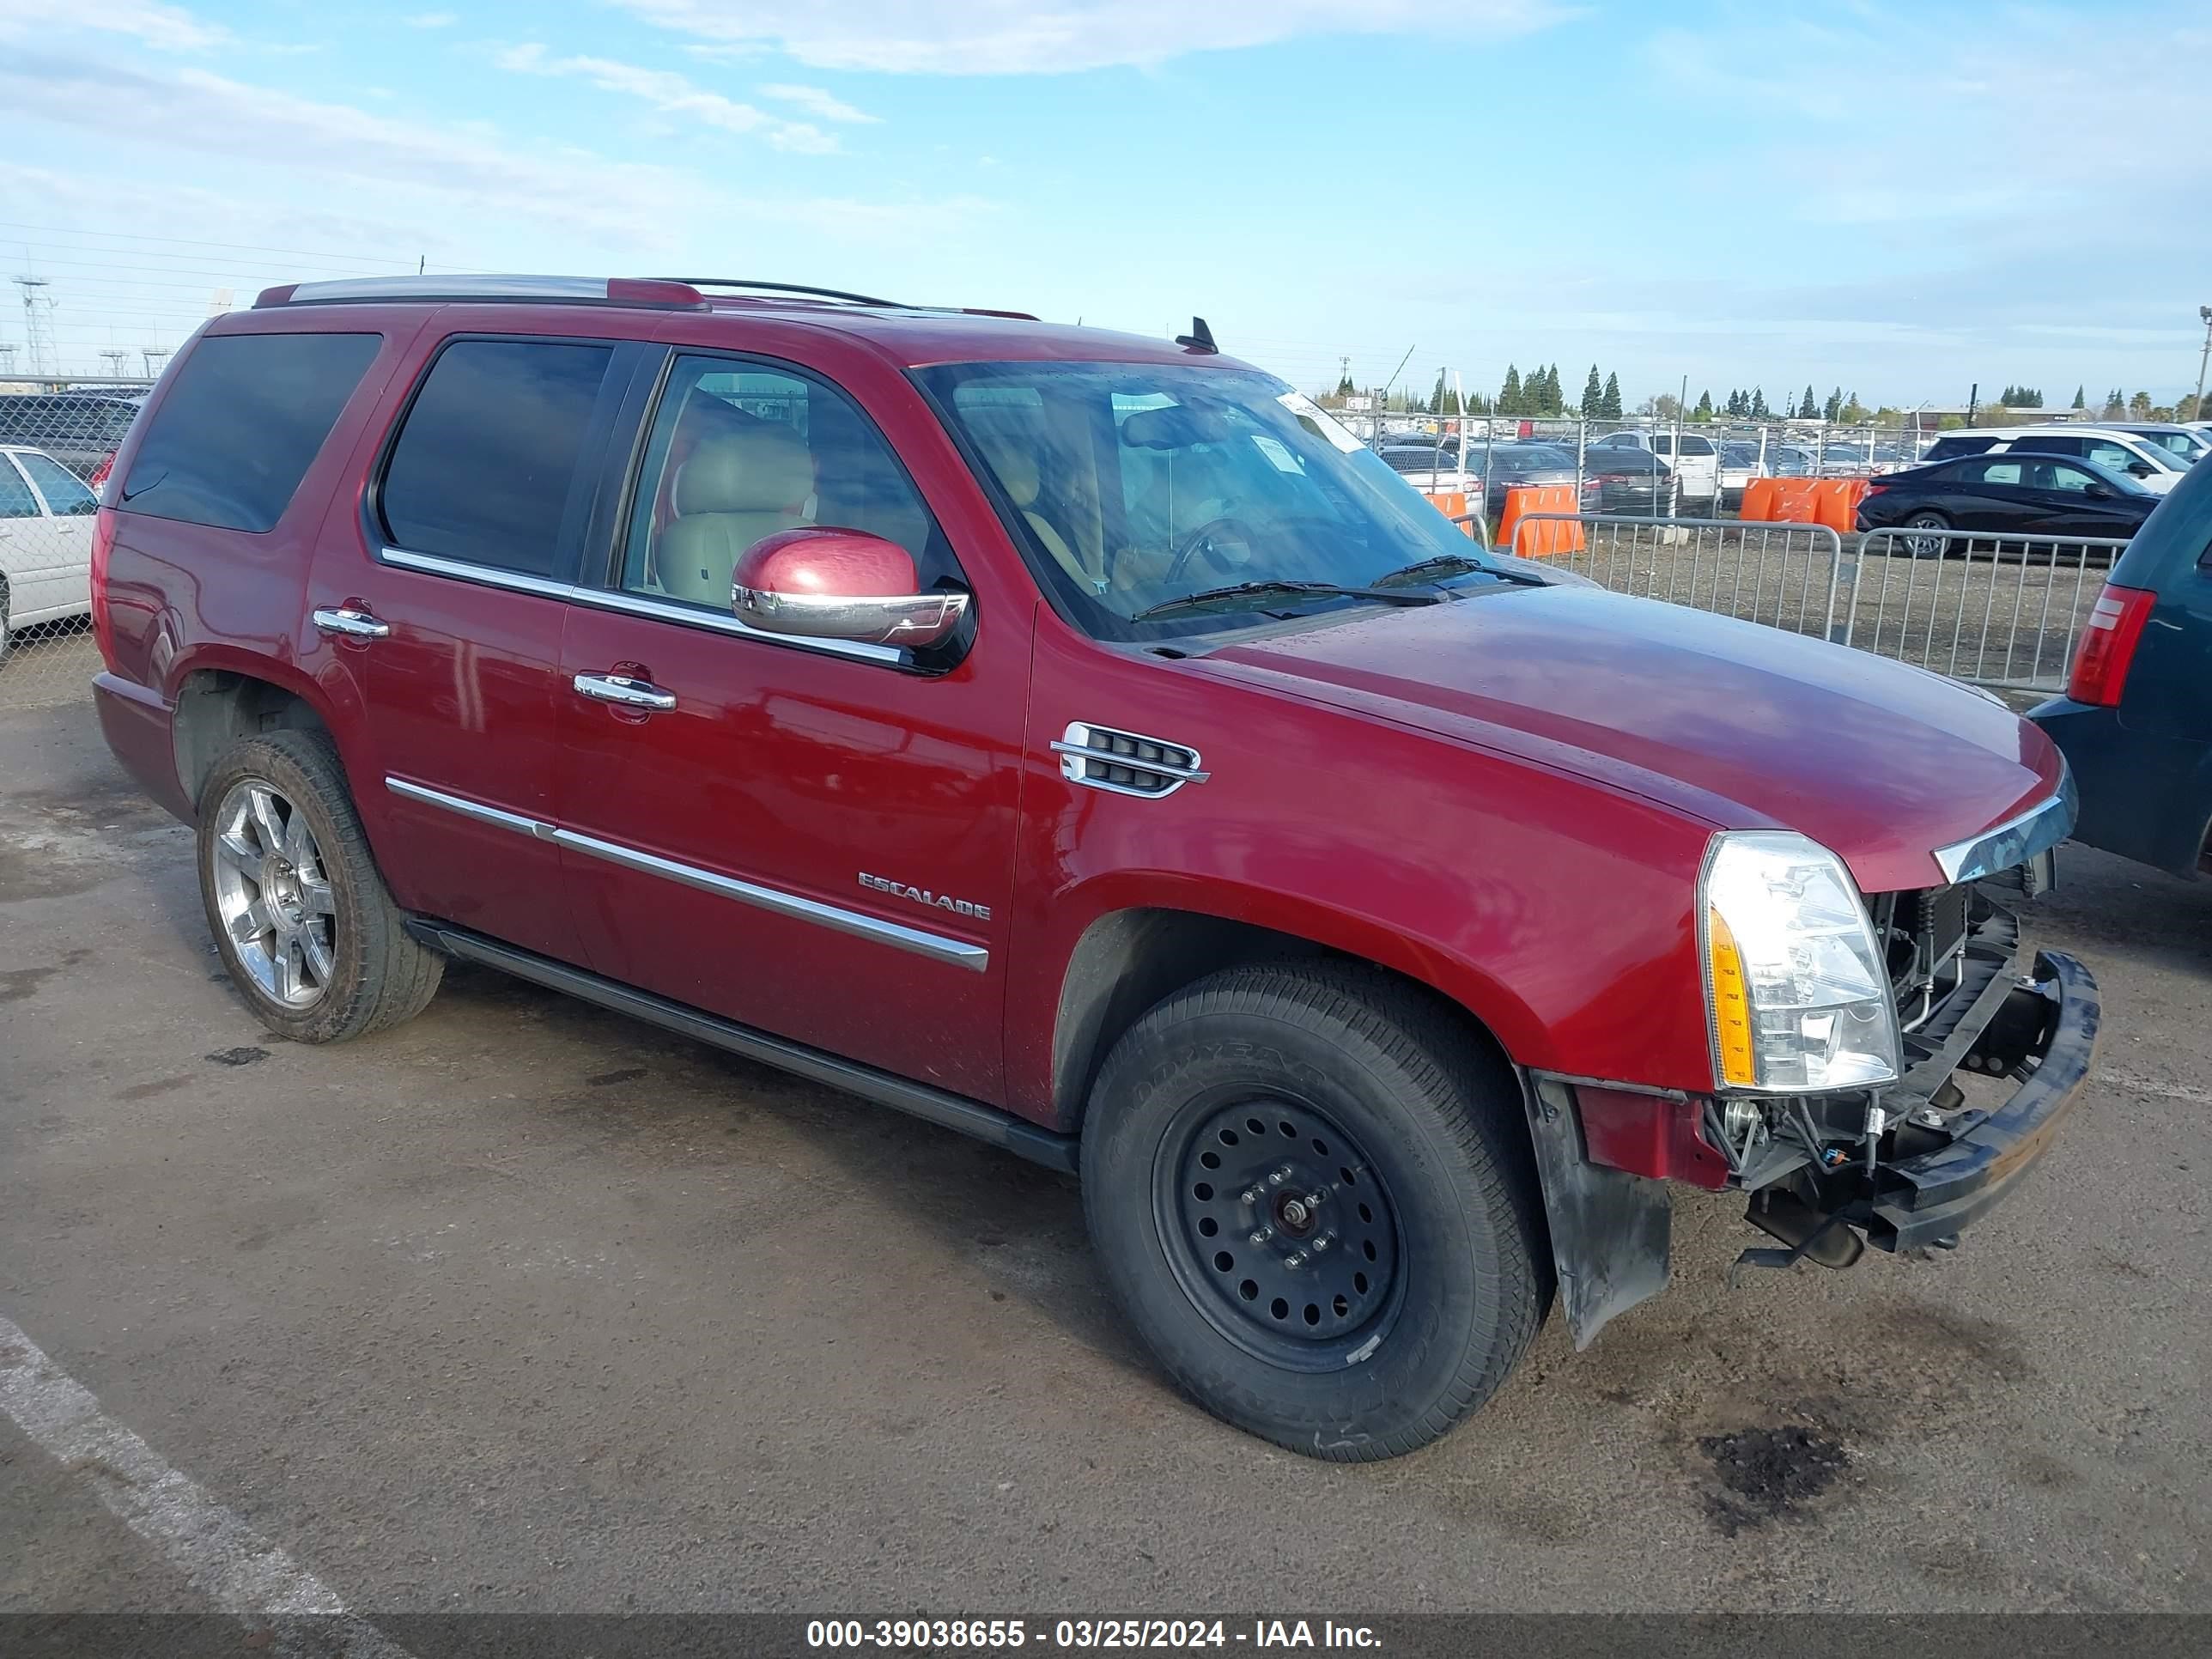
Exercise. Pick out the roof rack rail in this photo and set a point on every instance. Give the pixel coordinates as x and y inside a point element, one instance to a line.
<point>656,293</point>
<point>784,288</point>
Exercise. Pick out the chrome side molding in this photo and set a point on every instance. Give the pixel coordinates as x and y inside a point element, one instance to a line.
<point>936,946</point>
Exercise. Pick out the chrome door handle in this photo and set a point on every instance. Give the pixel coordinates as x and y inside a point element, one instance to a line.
<point>353,624</point>
<point>629,693</point>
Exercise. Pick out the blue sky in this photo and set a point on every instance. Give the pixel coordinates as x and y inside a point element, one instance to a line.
<point>1900,198</point>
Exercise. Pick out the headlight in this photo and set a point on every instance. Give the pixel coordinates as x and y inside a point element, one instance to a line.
<point>1797,989</point>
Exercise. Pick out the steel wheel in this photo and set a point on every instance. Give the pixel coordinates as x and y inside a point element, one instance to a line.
<point>273,894</point>
<point>1279,1230</point>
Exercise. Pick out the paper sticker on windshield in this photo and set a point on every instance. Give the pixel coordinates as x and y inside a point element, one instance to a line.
<point>1320,421</point>
<point>1280,457</point>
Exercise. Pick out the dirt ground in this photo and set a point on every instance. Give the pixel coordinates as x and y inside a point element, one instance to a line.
<point>524,1306</point>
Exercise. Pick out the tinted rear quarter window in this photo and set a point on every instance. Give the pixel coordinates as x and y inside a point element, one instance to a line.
<point>487,455</point>
<point>236,432</point>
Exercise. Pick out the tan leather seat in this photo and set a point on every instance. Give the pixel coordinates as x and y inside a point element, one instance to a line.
<point>1018,473</point>
<point>733,490</point>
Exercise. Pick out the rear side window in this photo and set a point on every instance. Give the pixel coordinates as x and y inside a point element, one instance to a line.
<point>237,431</point>
<point>1950,448</point>
<point>487,456</point>
<point>66,498</point>
<point>16,501</point>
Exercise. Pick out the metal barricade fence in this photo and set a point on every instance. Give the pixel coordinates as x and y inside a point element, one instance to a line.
<point>1786,575</point>
<point>54,443</point>
<point>2002,611</point>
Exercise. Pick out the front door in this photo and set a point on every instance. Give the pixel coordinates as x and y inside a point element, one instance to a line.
<point>814,838</point>
<point>441,608</point>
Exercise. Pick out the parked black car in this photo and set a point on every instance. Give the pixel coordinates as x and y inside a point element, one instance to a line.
<point>2135,724</point>
<point>2008,495</point>
<point>79,429</point>
<point>1513,465</point>
<point>1632,481</point>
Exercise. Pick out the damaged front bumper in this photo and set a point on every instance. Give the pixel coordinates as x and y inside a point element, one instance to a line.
<point>1932,1165</point>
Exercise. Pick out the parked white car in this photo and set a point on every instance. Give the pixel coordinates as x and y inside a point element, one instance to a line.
<point>2154,467</point>
<point>1697,467</point>
<point>45,542</point>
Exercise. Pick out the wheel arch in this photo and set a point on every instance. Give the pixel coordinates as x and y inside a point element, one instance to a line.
<point>217,701</point>
<point>1130,958</point>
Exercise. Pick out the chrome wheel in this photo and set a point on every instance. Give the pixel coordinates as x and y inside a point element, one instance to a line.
<point>273,894</point>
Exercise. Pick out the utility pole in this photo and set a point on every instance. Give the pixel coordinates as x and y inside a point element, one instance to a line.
<point>1973,396</point>
<point>37,339</point>
<point>2205,312</point>
<point>154,357</point>
<point>113,357</point>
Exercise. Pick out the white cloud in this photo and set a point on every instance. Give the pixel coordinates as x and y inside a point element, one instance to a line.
<point>431,20</point>
<point>816,102</point>
<point>1047,37</point>
<point>672,94</point>
<point>165,29</point>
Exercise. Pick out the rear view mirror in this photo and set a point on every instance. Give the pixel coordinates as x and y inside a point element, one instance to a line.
<point>2097,492</point>
<point>2140,469</point>
<point>823,583</point>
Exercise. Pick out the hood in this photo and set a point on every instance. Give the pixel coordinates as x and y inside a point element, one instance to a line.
<point>1742,724</point>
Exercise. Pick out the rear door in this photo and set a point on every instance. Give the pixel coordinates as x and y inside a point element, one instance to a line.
<point>1993,493</point>
<point>26,558</point>
<point>439,595</point>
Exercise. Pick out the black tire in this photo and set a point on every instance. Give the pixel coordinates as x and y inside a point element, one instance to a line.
<point>7,635</point>
<point>1928,520</point>
<point>1398,1097</point>
<point>377,975</point>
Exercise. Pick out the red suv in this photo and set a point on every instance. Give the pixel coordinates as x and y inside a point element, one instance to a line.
<point>1082,742</point>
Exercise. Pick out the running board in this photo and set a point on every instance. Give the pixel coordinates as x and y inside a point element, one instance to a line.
<point>937,1106</point>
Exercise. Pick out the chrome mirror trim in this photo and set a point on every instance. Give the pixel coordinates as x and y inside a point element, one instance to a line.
<point>913,620</point>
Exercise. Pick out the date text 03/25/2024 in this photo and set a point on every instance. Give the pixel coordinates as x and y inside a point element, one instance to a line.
<point>1086,1634</point>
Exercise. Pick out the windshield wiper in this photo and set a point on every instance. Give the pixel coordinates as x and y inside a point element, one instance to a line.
<point>1453,564</point>
<point>1296,589</point>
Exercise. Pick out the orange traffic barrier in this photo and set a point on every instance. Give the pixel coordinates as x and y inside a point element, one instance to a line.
<point>1836,503</point>
<point>1759,501</point>
<point>1547,537</point>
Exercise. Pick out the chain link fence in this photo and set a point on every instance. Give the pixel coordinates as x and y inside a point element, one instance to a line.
<point>56,441</point>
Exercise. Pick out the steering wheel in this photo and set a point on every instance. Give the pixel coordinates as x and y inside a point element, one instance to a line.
<point>1203,537</point>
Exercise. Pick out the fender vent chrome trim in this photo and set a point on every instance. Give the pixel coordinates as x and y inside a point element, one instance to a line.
<point>1124,763</point>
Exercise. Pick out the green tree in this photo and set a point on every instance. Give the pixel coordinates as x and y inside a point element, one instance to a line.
<point>1856,413</point>
<point>2079,402</point>
<point>1593,396</point>
<point>2139,406</point>
<point>1832,410</point>
<point>1436,397</point>
<point>1758,409</point>
<point>1949,422</point>
<point>2115,405</point>
<point>1509,395</point>
<point>1807,410</point>
<point>2187,408</point>
<point>1345,388</point>
<point>1611,409</point>
<point>1704,411</point>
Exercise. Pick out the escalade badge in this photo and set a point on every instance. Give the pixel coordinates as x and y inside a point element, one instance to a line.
<point>923,895</point>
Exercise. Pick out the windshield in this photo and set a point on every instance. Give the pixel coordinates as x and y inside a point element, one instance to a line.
<point>1144,483</point>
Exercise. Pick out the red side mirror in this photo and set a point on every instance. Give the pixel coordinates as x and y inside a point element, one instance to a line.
<point>828,583</point>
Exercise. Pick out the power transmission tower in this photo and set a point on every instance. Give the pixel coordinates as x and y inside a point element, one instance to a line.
<point>38,334</point>
<point>114,356</point>
<point>154,357</point>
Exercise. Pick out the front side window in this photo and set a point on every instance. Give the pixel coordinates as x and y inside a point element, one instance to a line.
<point>741,451</point>
<point>1137,485</point>
<point>66,495</point>
<point>238,428</point>
<point>488,454</point>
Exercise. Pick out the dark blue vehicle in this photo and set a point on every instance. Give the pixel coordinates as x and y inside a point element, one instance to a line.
<point>2136,723</point>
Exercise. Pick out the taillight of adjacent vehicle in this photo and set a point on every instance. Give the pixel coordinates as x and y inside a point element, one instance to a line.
<point>103,624</point>
<point>2108,645</point>
<point>98,481</point>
